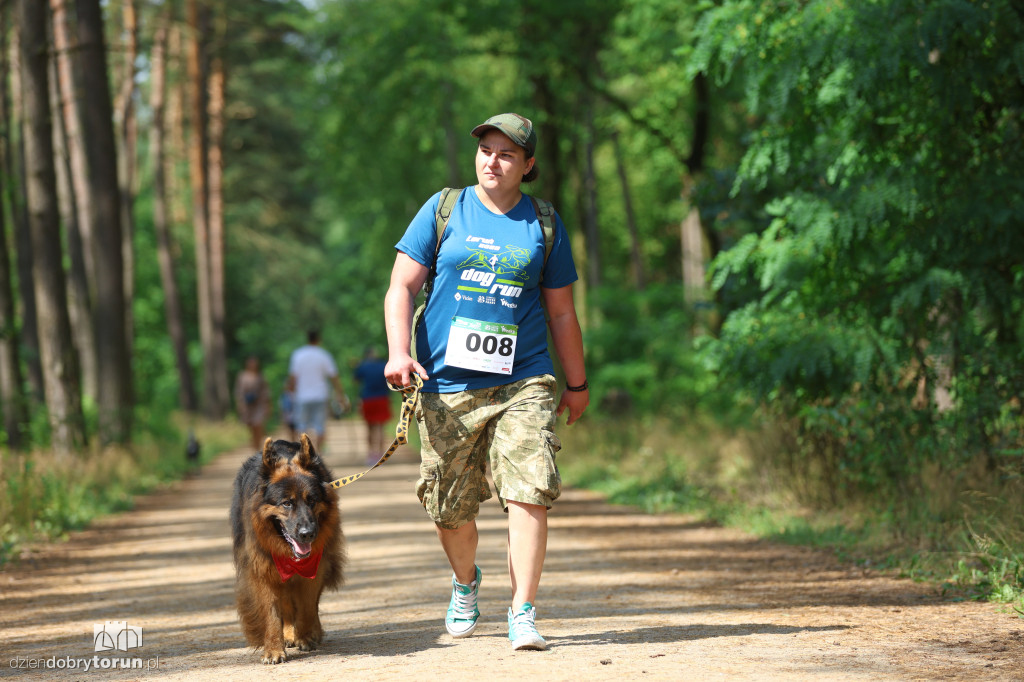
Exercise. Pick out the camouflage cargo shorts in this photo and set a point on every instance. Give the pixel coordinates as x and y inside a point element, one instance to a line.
<point>509,427</point>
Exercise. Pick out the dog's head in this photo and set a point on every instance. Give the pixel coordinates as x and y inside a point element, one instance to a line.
<point>295,499</point>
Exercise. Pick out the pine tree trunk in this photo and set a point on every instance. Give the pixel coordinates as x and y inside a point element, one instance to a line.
<point>172,298</point>
<point>12,402</point>
<point>60,367</point>
<point>80,230</point>
<point>694,286</point>
<point>79,309</point>
<point>217,239</point>
<point>125,116</point>
<point>200,196</point>
<point>552,175</point>
<point>114,397</point>
<point>176,151</point>
<point>695,237</point>
<point>14,166</point>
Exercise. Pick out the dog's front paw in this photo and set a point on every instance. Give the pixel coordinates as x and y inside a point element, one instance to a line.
<point>274,656</point>
<point>306,644</point>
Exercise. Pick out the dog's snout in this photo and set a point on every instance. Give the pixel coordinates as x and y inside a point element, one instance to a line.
<point>306,533</point>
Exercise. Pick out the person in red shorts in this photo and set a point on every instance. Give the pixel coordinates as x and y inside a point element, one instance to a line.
<point>375,397</point>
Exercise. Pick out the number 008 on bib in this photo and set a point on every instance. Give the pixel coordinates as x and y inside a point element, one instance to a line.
<point>483,346</point>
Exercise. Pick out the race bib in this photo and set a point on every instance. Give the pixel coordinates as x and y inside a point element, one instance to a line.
<point>483,346</point>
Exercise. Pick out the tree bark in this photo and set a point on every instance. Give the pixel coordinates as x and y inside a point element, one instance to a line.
<point>70,85</point>
<point>197,146</point>
<point>114,395</point>
<point>550,170</point>
<point>82,288</point>
<point>214,406</point>
<point>172,298</point>
<point>12,402</point>
<point>125,117</point>
<point>79,308</point>
<point>217,239</point>
<point>693,233</point>
<point>14,166</point>
<point>60,370</point>
<point>694,285</point>
<point>176,149</point>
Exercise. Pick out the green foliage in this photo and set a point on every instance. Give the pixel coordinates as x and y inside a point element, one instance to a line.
<point>890,268</point>
<point>639,353</point>
<point>623,465</point>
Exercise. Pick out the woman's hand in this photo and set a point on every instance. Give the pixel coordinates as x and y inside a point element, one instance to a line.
<point>576,402</point>
<point>400,369</point>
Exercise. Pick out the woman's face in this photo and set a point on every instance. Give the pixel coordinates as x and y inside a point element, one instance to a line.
<point>500,162</point>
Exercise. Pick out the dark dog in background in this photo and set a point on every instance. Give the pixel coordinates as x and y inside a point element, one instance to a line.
<point>288,546</point>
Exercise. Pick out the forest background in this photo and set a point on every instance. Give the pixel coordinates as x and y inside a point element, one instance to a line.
<point>797,225</point>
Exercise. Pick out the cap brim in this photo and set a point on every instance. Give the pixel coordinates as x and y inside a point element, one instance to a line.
<point>483,128</point>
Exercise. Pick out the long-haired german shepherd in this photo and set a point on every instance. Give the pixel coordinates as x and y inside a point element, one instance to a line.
<point>288,546</point>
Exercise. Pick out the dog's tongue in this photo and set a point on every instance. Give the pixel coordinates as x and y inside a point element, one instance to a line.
<point>301,549</point>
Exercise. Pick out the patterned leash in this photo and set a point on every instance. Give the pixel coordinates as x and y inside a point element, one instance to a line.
<point>409,396</point>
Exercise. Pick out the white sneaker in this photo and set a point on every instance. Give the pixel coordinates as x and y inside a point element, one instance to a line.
<point>463,613</point>
<point>522,629</point>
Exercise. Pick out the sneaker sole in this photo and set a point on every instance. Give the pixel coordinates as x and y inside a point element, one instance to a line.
<point>529,644</point>
<point>460,635</point>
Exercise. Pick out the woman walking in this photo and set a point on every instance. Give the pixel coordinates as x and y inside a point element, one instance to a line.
<point>489,393</point>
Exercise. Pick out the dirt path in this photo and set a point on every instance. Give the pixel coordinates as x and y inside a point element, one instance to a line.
<point>625,596</point>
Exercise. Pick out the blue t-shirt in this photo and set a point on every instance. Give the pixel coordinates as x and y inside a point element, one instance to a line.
<point>488,269</point>
<point>370,375</point>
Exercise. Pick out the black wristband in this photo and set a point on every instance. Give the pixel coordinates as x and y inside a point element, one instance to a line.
<point>578,389</point>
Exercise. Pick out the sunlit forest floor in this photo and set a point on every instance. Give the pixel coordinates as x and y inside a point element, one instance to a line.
<point>625,595</point>
<point>966,545</point>
<point>963,537</point>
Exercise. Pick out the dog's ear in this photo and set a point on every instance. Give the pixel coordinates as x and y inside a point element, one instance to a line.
<point>308,459</point>
<point>270,456</point>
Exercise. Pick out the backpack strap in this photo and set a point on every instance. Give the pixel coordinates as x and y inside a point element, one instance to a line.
<point>445,204</point>
<point>546,214</point>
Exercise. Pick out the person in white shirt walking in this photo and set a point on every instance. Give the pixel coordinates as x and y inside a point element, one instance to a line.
<point>311,374</point>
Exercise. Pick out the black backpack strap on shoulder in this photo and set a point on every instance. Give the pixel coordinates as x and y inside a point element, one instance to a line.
<point>445,204</point>
<point>546,214</point>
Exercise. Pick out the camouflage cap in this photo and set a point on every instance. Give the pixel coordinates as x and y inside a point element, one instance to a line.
<point>518,128</point>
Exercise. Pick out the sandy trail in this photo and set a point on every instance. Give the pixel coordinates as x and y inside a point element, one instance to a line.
<point>625,596</point>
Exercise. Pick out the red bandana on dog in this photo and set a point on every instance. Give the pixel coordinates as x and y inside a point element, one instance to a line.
<point>288,566</point>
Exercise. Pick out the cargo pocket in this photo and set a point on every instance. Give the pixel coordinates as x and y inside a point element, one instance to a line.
<point>553,481</point>
<point>427,489</point>
<point>447,503</point>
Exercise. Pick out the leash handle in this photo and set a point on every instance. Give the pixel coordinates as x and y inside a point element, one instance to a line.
<point>410,395</point>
